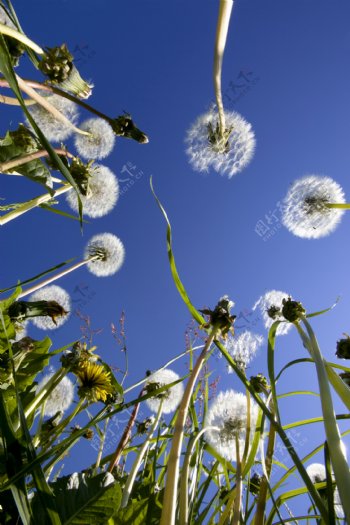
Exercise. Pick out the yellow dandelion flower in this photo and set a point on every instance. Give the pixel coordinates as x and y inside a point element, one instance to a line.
<point>95,382</point>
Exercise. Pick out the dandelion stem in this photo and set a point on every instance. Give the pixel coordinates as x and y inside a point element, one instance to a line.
<point>13,33</point>
<point>102,442</point>
<point>33,203</point>
<point>170,493</point>
<point>183,503</point>
<point>18,161</point>
<point>133,472</point>
<point>125,437</point>
<point>238,498</point>
<point>12,101</point>
<point>225,10</point>
<point>339,463</point>
<point>46,105</point>
<point>56,277</point>
<point>340,206</point>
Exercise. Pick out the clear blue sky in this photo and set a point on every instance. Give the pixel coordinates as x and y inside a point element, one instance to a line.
<point>288,62</point>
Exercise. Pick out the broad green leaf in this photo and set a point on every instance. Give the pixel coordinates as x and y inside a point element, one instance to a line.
<point>82,500</point>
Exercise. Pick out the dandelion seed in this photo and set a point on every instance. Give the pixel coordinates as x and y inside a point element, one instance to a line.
<point>170,398</point>
<point>305,211</point>
<point>103,193</point>
<point>60,398</point>
<point>55,130</point>
<point>270,306</point>
<point>110,252</point>
<point>95,382</point>
<point>99,143</point>
<point>227,156</point>
<point>51,293</point>
<point>229,414</point>
<point>243,348</point>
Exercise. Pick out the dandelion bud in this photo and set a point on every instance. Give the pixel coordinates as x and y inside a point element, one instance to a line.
<point>81,174</point>
<point>21,310</point>
<point>345,377</point>
<point>60,305</point>
<point>270,306</point>
<point>292,310</point>
<point>260,384</point>
<point>220,316</point>
<point>57,65</point>
<point>124,126</point>
<point>143,426</point>
<point>343,348</point>
<point>254,483</point>
<point>273,312</point>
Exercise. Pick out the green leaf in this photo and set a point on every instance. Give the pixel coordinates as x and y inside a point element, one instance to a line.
<point>82,500</point>
<point>33,363</point>
<point>7,328</point>
<point>136,514</point>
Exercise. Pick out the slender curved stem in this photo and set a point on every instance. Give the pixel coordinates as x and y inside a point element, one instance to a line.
<point>33,203</point>
<point>225,10</point>
<point>12,101</point>
<point>55,277</point>
<point>46,105</point>
<point>183,501</point>
<point>18,161</point>
<point>132,475</point>
<point>340,206</point>
<point>13,33</point>
<point>171,487</point>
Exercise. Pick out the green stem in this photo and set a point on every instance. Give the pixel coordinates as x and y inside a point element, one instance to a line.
<point>102,442</point>
<point>183,500</point>
<point>132,475</point>
<point>339,463</point>
<point>238,498</point>
<point>13,33</point>
<point>225,10</point>
<point>33,203</point>
<point>340,206</point>
<point>170,493</point>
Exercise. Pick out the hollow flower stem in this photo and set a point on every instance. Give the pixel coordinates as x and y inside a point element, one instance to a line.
<point>225,10</point>
<point>13,33</point>
<point>42,101</point>
<point>33,203</point>
<point>56,277</point>
<point>340,206</point>
<point>183,502</point>
<point>132,475</point>
<point>339,463</point>
<point>170,493</point>
<point>5,166</point>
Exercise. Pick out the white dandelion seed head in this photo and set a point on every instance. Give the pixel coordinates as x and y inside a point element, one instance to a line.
<point>304,210</point>
<point>239,150</point>
<point>60,398</point>
<point>229,413</point>
<point>51,293</point>
<point>53,129</point>
<point>273,299</point>
<point>101,141</point>
<point>243,348</point>
<point>111,251</point>
<point>170,398</point>
<point>102,196</point>
<point>316,472</point>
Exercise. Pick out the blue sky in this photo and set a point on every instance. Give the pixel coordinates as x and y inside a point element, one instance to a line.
<point>286,71</point>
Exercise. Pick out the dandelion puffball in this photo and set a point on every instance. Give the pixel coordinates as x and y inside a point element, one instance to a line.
<point>226,157</point>
<point>53,129</point>
<point>243,348</point>
<point>170,398</point>
<point>60,398</point>
<point>51,293</point>
<point>229,414</point>
<point>99,143</point>
<point>304,209</point>
<point>110,252</point>
<point>271,303</point>
<point>102,195</point>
